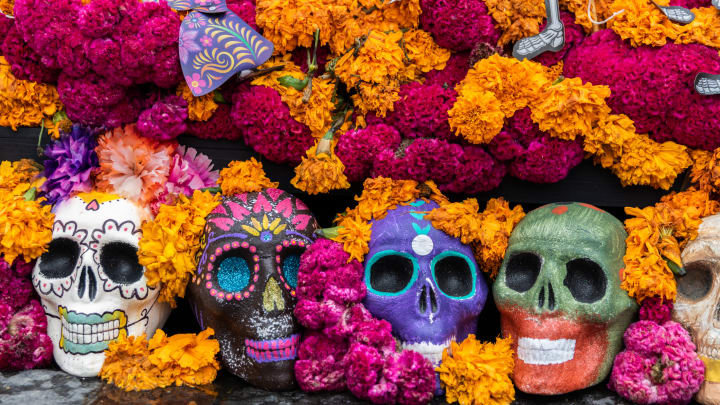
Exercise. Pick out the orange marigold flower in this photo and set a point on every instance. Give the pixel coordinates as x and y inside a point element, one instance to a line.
<point>199,108</point>
<point>570,108</point>
<point>25,227</point>
<point>244,177</point>
<point>706,169</point>
<point>476,116</point>
<point>168,248</point>
<point>18,177</point>
<point>497,222</point>
<point>424,53</point>
<point>476,373</point>
<point>315,112</point>
<point>320,172</point>
<point>516,18</point>
<point>608,139</point>
<point>379,57</point>
<point>460,220</point>
<point>514,83</point>
<point>579,8</point>
<point>26,103</point>
<point>377,98</point>
<point>7,6</point>
<point>646,162</point>
<point>354,234</point>
<point>133,363</point>
<point>644,24</point>
<point>381,194</point>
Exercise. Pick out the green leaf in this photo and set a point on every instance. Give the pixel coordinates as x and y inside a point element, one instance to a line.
<point>218,98</point>
<point>328,233</point>
<point>676,269</point>
<point>30,194</point>
<point>297,84</point>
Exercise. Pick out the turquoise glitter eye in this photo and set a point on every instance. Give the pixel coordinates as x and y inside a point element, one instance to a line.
<point>290,266</point>
<point>234,274</point>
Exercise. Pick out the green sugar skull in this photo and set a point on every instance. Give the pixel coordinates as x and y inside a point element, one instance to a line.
<point>559,296</point>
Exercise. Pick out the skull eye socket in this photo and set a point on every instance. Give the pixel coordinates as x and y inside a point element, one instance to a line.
<point>390,273</point>
<point>233,274</point>
<point>119,261</point>
<point>697,281</point>
<point>586,280</point>
<point>522,270</point>
<point>290,266</point>
<point>60,259</point>
<point>454,275</point>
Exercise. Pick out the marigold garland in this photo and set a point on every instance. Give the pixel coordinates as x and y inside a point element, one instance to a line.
<point>26,103</point>
<point>170,242</point>
<point>656,236</point>
<point>320,173</point>
<point>706,170</point>
<point>244,177</point>
<point>199,108</point>
<point>290,24</point>
<point>644,24</point>
<point>566,109</point>
<point>134,363</point>
<point>476,373</point>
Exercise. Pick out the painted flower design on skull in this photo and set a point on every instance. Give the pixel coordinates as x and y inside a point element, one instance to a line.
<point>90,282</point>
<point>245,283</point>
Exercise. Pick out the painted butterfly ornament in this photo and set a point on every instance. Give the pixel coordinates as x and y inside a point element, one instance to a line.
<point>214,44</point>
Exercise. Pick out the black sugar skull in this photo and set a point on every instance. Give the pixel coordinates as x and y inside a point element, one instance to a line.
<point>244,287</point>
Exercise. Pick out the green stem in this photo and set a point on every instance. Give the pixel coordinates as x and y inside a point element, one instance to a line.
<point>328,233</point>
<point>40,150</point>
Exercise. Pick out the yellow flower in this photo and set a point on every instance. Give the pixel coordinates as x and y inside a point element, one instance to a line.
<point>244,177</point>
<point>514,83</point>
<point>377,98</point>
<point>292,23</point>
<point>133,363</point>
<point>658,233</point>
<point>476,116</point>
<point>460,220</point>
<point>608,139</point>
<point>354,234</point>
<point>579,8</point>
<point>424,53</point>
<point>570,108</point>
<point>643,24</point>
<point>476,373</point>
<point>316,112</point>
<point>7,6</point>
<point>497,223</point>
<point>705,171</point>
<point>646,162</point>
<point>19,176</point>
<point>379,57</point>
<point>170,243</point>
<point>25,227</point>
<point>516,18</point>
<point>199,108</point>
<point>320,172</point>
<point>25,103</point>
<point>381,194</point>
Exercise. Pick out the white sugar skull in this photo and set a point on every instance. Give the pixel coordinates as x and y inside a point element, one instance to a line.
<point>697,306</point>
<point>90,282</point>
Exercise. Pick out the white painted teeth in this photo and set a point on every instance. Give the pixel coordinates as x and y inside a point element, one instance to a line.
<point>430,351</point>
<point>545,351</point>
<point>87,334</point>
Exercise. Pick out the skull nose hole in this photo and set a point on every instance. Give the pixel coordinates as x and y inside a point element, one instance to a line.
<point>422,302</point>
<point>433,301</point>
<point>87,282</point>
<point>717,313</point>
<point>541,297</point>
<point>551,297</point>
<point>272,296</point>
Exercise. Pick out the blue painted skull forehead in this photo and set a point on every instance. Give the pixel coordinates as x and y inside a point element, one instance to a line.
<point>406,229</point>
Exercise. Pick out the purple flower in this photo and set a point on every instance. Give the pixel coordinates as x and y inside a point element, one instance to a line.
<point>195,82</point>
<point>187,44</point>
<point>69,163</point>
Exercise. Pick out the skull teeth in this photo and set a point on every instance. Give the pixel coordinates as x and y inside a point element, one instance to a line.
<point>87,334</point>
<point>431,351</point>
<point>263,351</point>
<point>545,351</point>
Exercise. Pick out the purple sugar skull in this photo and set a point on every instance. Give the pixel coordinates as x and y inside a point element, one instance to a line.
<point>245,283</point>
<point>423,281</point>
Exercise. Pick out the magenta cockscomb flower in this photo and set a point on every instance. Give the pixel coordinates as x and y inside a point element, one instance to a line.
<point>267,127</point>
<point>658,366</point>
<point>346,346</point>
<point>357,148</point>
<point>165,120</point>
<point>458,24</point>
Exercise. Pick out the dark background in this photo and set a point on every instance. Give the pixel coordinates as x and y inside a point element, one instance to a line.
<point>585,183</point>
